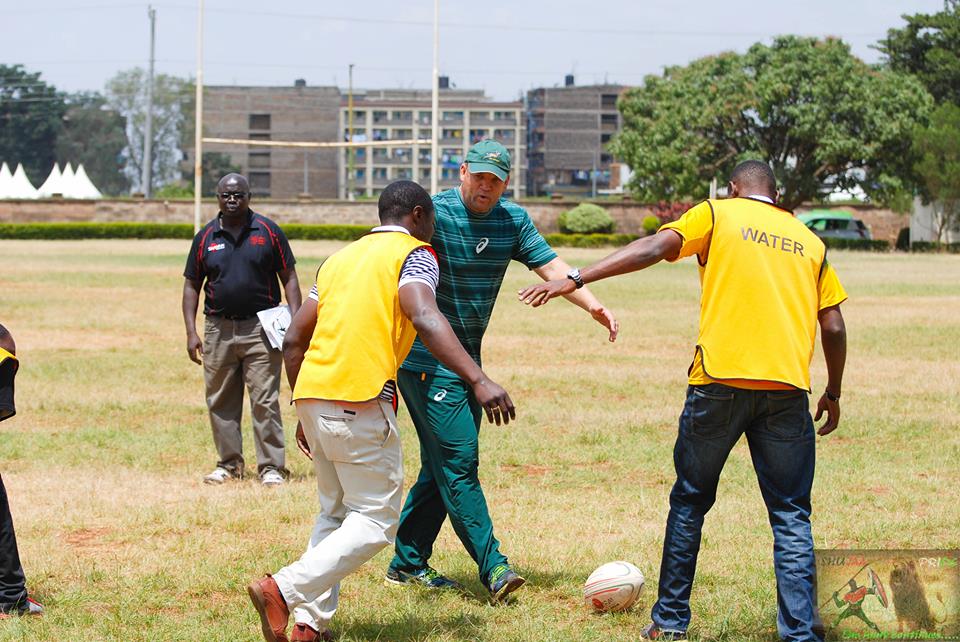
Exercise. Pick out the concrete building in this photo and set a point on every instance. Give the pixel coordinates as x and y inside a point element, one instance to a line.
<point>295,113</point>
<point>466,116</point>
<point>568,130</point>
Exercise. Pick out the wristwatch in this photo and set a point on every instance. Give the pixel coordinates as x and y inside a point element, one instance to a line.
<point>574,275</point>
<point>831,396</point>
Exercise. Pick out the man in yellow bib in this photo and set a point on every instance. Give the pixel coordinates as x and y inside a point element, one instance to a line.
<point>766,284</point>
<point>341,352</point>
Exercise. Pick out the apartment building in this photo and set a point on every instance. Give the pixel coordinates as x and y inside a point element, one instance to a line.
<point>569,128</point>
<point>294,113</point>
<point>466,116</point>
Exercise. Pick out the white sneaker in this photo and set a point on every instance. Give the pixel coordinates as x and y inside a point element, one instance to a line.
<point>218,476</point>
<point>271,478</point>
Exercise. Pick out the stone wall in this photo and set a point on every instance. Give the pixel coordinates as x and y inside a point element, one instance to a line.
<point>883,223</point>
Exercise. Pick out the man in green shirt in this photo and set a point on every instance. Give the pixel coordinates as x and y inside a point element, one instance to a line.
<point>477,234</point>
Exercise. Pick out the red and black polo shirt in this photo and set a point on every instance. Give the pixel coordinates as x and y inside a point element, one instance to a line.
<point>239,275</point>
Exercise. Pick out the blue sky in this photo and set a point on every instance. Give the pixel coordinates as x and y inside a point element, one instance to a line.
<point>500,46</point>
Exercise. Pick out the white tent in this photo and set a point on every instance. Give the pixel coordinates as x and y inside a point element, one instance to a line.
<point>82,186</point>
<point>20,186</point>
<point>53,184</point>
<point>5,179</point>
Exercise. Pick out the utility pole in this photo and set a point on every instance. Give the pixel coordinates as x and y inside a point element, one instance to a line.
<point>435,103</point>
<point>350,155</point>
<point>198,125</point>
<point>593,176</point>
<point>147,174</point>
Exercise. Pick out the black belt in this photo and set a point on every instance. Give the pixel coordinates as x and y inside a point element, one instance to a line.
<point>233,317</point>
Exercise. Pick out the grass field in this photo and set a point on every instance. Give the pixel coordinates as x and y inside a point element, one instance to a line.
<point>121,540</point>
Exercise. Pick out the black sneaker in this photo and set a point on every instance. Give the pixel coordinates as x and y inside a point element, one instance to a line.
<point>425,577</point>
<point>653,632</point>
<point>503,581</point>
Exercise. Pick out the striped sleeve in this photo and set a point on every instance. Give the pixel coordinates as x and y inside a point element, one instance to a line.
<point>421,266</point>
<point>314,294</point>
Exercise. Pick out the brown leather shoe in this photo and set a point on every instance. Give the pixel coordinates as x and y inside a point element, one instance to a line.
<point>306,633</point>
<point>273,610</point>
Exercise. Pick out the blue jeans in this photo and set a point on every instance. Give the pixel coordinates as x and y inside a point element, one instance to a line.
<point>780,434</point>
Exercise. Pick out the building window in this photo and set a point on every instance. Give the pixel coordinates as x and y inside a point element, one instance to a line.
<point>476,135</point>
<point>505,136</point>
<point>259,136</point>
<point>260,183</point>
<point>424,174</point>
<point>402,154</point>
<point>452,133</point>
<point>379,117</point>
<point>380,173</point>
<point>449,174</point>
<point>403,115</point>
<point>451,158</point>
<point>380,154</point>
<point>451,116</point>
<point>423,117</point>
<point>504,115</point>
<point>402,134</point>
<point>403,173</point>
<point>259,121</point>
<point>380,134</point>
<point>258,160</point>
<point>479,117</point>
<point>605,138</point>
<point>608,101</point>
<point>361,172</point>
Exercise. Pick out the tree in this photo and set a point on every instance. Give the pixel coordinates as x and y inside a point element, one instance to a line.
<point>31,118</point>
<point>929,47</point>
<point>938,149</point>
<point>822,118</point>
<point>95,135</point>
<point>127,95</point>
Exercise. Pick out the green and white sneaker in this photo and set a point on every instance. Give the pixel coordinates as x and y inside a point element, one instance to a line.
<point>503,581</point>
<point>426,577</point>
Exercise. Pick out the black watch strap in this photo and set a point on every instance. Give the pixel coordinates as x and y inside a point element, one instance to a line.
<point>574,275</point>
<point>831,396</point>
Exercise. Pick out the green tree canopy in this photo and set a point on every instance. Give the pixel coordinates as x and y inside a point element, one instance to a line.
<point>95,135</point>
<point>31,118</point>
<point>127,95</point>
<point>938,165</point>
<point>929,47</point>
<point>821,117</point>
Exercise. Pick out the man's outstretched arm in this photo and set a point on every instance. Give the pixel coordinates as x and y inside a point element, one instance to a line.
<point>638,255</point>
<point>583,298</point>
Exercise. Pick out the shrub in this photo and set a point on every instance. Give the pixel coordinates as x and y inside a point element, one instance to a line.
<point>857,244</point>
<point>927,246</point>
<point>668,212</point>
<point>650,225</point>
<point>586,218</point>
<point>75,231</point>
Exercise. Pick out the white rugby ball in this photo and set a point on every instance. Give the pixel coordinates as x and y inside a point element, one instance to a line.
<point>615,586</point>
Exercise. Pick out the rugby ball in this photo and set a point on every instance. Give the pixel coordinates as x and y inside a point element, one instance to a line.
<point>615,586</point>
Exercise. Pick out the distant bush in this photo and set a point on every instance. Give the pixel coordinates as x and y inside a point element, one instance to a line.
<point>650,225</point>
<point>927,246</point>
<point>589,240</point>
<point>76,231</point>
<point>586,218</point>
<point>857,244</point>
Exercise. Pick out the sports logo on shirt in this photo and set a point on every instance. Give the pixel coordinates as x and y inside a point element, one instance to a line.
<point>215,247</point>
<point>440,395</point>
<point>258,240</point>
<point>482,245</point>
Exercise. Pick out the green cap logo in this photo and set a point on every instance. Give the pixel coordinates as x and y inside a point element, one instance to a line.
<point>491,157</point>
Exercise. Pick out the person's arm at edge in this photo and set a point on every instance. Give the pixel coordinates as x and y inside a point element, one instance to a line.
<point>419,303</point>
<point>637,255</point>
<point>833,338</point>
<point>295,343</point>
<point>291,289</point>
<point>557,268</point>
<point>191,301</point>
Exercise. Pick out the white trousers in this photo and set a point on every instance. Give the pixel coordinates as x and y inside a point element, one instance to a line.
<point>359,468</point>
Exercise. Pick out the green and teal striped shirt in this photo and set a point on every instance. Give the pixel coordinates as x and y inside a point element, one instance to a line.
<point>474,253</point>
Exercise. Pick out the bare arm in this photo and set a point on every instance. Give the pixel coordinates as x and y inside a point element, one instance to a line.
<point>297,339</point>
<point>833,338</point>
<point>191,300</point>
<point>419,303</point>
<point>583,298</point>
<point>291,289</point>
<point>638,255</point>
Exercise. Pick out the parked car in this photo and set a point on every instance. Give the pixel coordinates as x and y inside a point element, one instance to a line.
<point>835,224</point>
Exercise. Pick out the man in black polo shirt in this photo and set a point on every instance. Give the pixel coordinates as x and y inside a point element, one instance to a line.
<point>237,258</point>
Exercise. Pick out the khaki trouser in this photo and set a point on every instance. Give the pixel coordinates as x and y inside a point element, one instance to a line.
<point>234,353</point>
<point>359,468</point>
